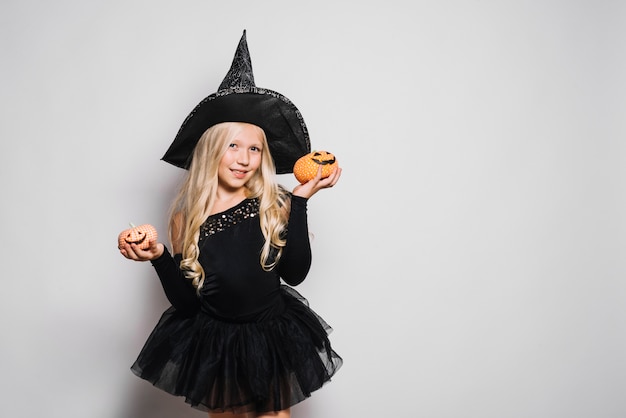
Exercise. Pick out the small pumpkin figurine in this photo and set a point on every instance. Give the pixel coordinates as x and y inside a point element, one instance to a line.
<point>306,166</point>
<point>140,235</point>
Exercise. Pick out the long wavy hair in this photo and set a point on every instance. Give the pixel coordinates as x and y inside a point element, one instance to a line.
<point>196,198</point>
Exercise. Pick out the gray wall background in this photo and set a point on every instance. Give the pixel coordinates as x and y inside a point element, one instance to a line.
<point>471,260</point>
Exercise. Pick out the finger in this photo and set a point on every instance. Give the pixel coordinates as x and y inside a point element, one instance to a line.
<point>318,175</point>
<point>311,186</point>
<point>141,255</point>
<point>153,251</point>
<point>331,180</point>
<point>153,245</point>
<point>335,176</point>
<point>128,252</point>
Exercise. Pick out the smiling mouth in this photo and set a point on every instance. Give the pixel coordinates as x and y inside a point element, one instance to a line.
<point>136,242</point>
<point>239,173</point>
<point>323,162</point>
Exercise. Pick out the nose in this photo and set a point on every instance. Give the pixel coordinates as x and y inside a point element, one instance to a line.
<point>242,157</point>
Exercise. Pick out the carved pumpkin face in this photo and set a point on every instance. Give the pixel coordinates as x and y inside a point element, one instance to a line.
<point>140,235</point>
<point>306,167</point>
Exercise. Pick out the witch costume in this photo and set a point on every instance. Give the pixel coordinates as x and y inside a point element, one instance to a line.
<point>245,342</point>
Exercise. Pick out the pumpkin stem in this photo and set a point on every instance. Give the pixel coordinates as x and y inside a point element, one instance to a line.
<point>132,225</point>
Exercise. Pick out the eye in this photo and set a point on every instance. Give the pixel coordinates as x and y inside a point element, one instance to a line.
<point>255,148</point>
<point>232,145</point>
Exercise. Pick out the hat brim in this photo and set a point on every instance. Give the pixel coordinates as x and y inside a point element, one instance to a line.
<point>284,127</point>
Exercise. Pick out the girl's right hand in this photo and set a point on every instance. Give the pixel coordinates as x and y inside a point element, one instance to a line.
<point>133,252</point>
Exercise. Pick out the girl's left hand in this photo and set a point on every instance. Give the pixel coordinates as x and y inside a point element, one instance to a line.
<point>317,183</point>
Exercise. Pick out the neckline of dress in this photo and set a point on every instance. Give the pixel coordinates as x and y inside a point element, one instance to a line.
<point>232,208</point>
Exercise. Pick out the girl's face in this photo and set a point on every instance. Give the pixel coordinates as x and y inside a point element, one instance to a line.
<point>242,158</point>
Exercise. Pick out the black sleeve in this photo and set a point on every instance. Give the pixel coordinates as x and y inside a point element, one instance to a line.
<point>295,261</point>
<point>178,289</point>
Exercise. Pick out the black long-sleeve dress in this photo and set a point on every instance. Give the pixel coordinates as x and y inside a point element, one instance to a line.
<point>247,342</point>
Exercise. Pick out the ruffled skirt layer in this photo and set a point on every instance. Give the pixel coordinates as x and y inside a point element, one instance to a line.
<point>240,367</point>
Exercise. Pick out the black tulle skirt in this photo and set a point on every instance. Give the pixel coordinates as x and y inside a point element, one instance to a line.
<point>240,367</point>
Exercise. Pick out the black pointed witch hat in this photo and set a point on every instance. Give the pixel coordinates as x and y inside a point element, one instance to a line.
<point>239,100</point>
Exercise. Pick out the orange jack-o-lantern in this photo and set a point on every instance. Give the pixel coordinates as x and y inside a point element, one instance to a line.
<point>140,235</point>
<point>306,167</point>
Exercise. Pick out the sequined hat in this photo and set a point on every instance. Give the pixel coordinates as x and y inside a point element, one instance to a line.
<point>239,100</point>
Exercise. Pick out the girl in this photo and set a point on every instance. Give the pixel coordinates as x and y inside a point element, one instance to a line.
<point>236,342</point>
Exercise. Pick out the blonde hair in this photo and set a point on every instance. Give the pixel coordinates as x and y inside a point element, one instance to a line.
<point>195,199</point>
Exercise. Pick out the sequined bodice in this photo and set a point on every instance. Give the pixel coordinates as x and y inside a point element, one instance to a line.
<point>219,222</point>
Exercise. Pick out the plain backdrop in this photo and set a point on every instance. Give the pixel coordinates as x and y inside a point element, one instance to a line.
<point>470,261</point>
